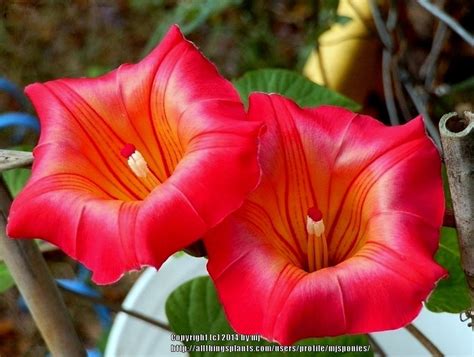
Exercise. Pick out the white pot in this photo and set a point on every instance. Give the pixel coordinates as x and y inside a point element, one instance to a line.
<point>132,337</point>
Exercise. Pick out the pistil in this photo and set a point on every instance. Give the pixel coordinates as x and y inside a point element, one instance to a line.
<point>317,249</point>
<point>137,163</point>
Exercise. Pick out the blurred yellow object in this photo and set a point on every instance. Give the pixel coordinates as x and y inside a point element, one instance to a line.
<point>347,58</point>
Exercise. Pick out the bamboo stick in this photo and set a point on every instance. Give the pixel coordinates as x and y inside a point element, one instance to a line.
<point>10,159</point>
<point>32,277</point>
<point>457,136</point>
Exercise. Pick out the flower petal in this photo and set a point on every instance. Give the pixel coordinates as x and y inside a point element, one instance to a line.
<point>189,125</point>
<point>380,193</point>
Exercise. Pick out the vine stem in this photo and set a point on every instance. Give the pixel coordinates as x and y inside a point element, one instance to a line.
<point>425,341</point>
<point>119,308</point>
<point>448,20</point>
<point>32,277</point>
<point>378,351</point>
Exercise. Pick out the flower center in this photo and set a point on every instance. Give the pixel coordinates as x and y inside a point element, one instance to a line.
<point>317,248</point>
<point>138,165</point>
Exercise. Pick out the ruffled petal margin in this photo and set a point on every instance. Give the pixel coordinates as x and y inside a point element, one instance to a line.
<point>382,187</point>
<point>189,124</point>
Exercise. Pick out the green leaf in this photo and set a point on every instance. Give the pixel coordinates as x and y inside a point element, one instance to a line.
<point>103,339</point>
<point>15,180</point>
<point>327,16</point>
<point>292,85</point>
<point>179,254</point>
<point>96,71</point>
<point>193,310</point>
<point>458,95</point>
<point>464,86</point>
<point>451,294</point>
<point>189,15</point>
<point>6,280</point>
<point>343,20</point>
<point>447,191</point>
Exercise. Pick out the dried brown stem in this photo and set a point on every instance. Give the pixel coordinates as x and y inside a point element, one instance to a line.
<point>28,268</point>
<point>425,341</point>
<point>322,68</point>
<point>457,135</point>
<point>378,351</point>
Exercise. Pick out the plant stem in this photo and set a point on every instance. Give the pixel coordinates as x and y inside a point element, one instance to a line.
<point>448,20</point>
<point>428,69</point>
<point>457,135</point>
<point>322,68</point>
<point>420,105</point>
<point>29,270</point>
<point>119,308</point>
<point>378,351</point>
<point>425,341</point>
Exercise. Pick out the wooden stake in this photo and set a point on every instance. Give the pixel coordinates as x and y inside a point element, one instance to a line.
<point>32,277</point>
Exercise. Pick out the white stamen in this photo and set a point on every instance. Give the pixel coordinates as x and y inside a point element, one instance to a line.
<point>314,227</point>
<point>138,165</point>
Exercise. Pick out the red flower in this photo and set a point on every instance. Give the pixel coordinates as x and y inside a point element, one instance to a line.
<point>340,235</point>
<point>139,163</point>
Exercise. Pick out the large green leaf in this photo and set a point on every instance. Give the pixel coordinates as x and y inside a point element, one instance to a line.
<point>292,85</point>
<point>451,294</point>
<point>6,280</point>
<point>193,310</point>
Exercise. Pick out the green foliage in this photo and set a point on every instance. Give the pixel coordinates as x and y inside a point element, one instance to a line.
<point>194,309</point>
<point>328,16</point>
<point>189,15</point>
<point>103,339</point>
<point>447,192</point>
<point>290,84</point>
<point>139,4</point>
<point>451,294</point>
<point>457,98</point>
<point>179,254</point>
<point>15,180</point>
<point>236,35</point>
<point>6,280</point>
<point>96,71</point>
<point>464,87</point>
